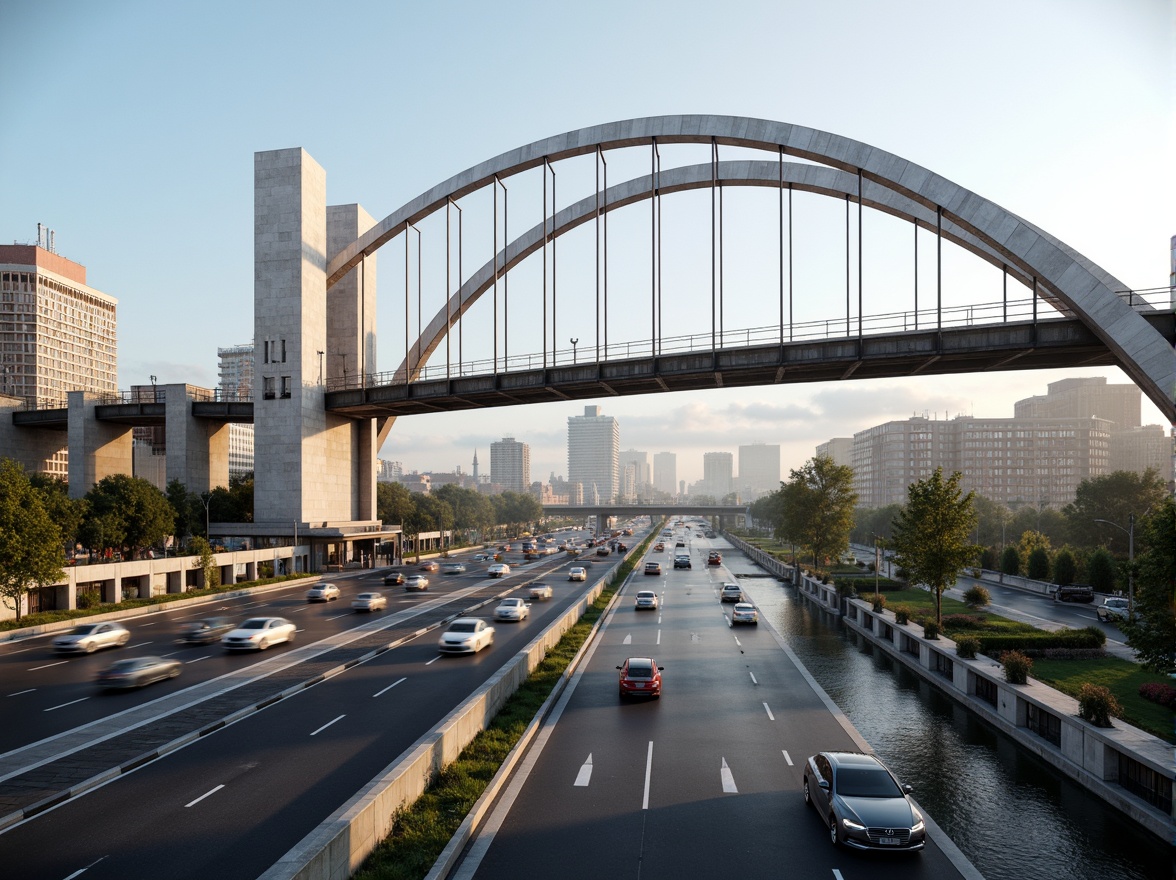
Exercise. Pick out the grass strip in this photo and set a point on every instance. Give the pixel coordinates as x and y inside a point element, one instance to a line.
<point>1121,677</point>
<point>421,830</point>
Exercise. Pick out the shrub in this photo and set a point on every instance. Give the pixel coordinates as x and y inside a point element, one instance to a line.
<point>1017,667</point>
<point>901,573</point>
<point>902,614</point>
<point>846,589</point>
<point>931,630</point>
<point>1010,561</point>
<point>977,597</point>
<point>1038,565</point>
<point>89,599</point>
<point>879,603</point>
<point>1097,704</point>
<point>956,622</point>
<point>826,579</point>
<point>1036,643</point>
<point>967,646</point>
<point>1158,692</point>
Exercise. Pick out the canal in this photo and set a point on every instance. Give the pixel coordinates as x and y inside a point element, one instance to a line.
<point>1013,816</point>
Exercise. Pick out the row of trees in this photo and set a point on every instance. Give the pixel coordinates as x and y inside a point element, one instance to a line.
<point>935,537</point>
<point>469,513</point>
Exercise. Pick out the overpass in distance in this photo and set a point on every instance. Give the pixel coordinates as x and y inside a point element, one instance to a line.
<point>668,510</point>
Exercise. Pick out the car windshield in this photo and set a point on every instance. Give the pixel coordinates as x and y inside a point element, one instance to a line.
<point>463,627</point>
<point>640,670</point>
<point>124,665</point>
<point>84,630</point>
<point>866,782</point>
<point>511,603</point>
<point>645,594</point>
<point>365,596</point>
<point>254,623</point>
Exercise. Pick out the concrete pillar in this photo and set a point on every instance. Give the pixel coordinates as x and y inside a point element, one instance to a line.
<point>34,448</point>
<point>112,589</point>
<point>197,449</point>
<point>96,449</point>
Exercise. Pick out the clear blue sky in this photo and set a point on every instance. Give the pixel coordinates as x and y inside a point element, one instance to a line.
<point>130,128</point>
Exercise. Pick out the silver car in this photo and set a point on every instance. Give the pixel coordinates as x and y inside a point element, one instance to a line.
<point>863,804</point>
<point>511,609</point>
<point>369,602</point>
<point>1113,609</point>
<point>258,633</point>
<point>466,635</point>
<point>744,612</point>
<point>86,638</point>
<point>137,672</point>
<point>645,600</point>
<point>322,593</point>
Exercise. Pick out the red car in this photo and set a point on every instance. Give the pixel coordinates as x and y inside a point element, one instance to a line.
<point>714,558</point>
<point>640,677</point>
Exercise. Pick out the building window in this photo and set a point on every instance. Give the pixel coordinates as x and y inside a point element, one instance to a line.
<point>285,386</point>
<point>268,388</point>
<point>284,352</point>
<point>986,690</point>
<point>1045,724</point>
<point>1146,783</point>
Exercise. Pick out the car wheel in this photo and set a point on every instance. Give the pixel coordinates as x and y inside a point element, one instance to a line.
<point>90,647</point>
<point>290,639</point>
<point>174,673</point>
<point>123,641</point>
<point>263,644</point>
<point>834,837</point>
<point>808,798</point>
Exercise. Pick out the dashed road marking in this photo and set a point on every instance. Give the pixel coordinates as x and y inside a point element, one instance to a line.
<point>648,772</point>
<point>203,796</point>
<point>18,693</point>
<point>434,660</point>
<point>788,758</point>
<point>771,717</point>
<point>585,774</point>
<point>389,687</point>
<point>47,665</point>
<point>728,779</point>
<point>328,724</point>
<point>63,705</point>
<point>752,674</point>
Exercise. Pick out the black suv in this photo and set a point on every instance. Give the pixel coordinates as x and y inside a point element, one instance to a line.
<point>1075,593</point>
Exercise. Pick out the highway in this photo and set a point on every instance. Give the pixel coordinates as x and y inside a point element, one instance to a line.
<point>706,781</point>
<point>230,803</point>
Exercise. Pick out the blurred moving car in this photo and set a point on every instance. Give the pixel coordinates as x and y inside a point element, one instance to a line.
<point>322,593</point>
<point>731,593</point>
<point>744,612</point>
<point>258,633</point>
<point>577,573</point>
<point>659,547</point>
<point>862,803</point>
<point>640,677</point>
<point>393,578</point>
<point>682,562</point>
<point>429,565</point>
<point>136,672</point>
<point>205,632</point>
<point>541,591</point>
<point>466,635</point>
<point>1113,608</point>
<point>86,638</point>
<point>483,557</point>
<point>603,550</point>
<point>453,568</point>
<point>498,569</point>
<point>653,568</point>
<point>417,582</point>
<point>370,602</point>
<point>645,600</point>
<point>511,609</point>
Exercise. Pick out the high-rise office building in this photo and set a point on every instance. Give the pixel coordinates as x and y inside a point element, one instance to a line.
<point>759,469</point>
<point>840,449</point>
<point>594,443</point>
<point>1084,398</point>
<point>717,473</point>
<point>665,472</point>
<point>56,334</point>
<point>642,476</point>
<point>510,465</point>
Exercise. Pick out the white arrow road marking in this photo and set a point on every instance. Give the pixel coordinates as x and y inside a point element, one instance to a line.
<point>648,770</point>
<point>328,724</point>
<point>728,779</point>
<point>771,717</point>
<point>389,687</point>
<point>585,774</point>
<point>787,758</point>
<point>203,796</point>
<point>628,639</point>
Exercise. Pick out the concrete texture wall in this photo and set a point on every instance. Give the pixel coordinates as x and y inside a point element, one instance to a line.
<point>96,449</point>
<point>197,449</point>
<point>33,448</point>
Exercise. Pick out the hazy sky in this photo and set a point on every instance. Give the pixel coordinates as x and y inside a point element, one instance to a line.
<point>130,129</point>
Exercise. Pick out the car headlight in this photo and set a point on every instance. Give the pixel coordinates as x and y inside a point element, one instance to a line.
<point>852,826</point>
<point>917,827</point>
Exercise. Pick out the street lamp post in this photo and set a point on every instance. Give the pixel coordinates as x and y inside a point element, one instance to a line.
<point>1130,532</point>
<point>205,499</point>
<point>574,342</point>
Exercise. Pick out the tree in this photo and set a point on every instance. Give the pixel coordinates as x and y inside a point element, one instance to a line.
<point>206,562</point>
<point>1114,496</point>
<point>1065,568</point>
<point>394,503</point>
<point>931,534</point>
<point>1010,561</point>
<point>30,541</point>
<point>1100,571</point>
<point>1153,632</point>
<point>1038,565</point>
<point>817,505</point>
<point>871,521</point>
<point>66,512</point>
<point>137,513</point>
<point>472,511</point>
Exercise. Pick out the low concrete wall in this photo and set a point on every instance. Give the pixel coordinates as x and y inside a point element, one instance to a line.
<point>1088,754</point>
<point>764,560</point>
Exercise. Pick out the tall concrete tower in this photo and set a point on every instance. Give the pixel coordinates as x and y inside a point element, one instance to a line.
<point>594,443</point>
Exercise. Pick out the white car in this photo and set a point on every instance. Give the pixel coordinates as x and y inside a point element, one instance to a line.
<point>731,593</point>
<point>541,591</point>
<point>511,609</point>
<point>370,602</point>
<point>416,582</point>
<point>577,574</point>
<point>466,635</point>
<point>498,569</point>
<point>453,568</point>
<point>86,638</point>
<point>258,633</point>
<point>483,557</point>
<point>744,612</point>
<point>322,593</point>
<point>1112,609</point>
<point>646,600</point>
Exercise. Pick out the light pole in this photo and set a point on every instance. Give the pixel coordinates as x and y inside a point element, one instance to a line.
<point>1130,531</point>
<point>574,343</point>
<point>205,499</point>
<point>154,391</point>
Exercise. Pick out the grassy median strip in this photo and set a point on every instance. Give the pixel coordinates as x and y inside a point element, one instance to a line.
<point>421,831</point>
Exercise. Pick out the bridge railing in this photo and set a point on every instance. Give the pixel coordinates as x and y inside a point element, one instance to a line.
<point>1017,309</point>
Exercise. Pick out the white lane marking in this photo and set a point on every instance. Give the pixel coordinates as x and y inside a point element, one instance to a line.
<point>80,871</point>
<point>788,758</point>
<point>337,616</point>
<point>203,796</point>
<point>585,774</point>
<point>152,623</point>
<point>628,639</point>
<point>296,610</point>
<point>771,717</point>
<point>752,674</point>
<point>140,645</point>
<point>63,705</point>
<point>648,771</point>
<point>658,637</point>
<point>389,687</point>
<point>728,779</point>
<point>434,660</point>
<point>837,875</point>
<point>47,665</point>
<point>739,643</point>
<point>169,654</point>
<point>328,724</point>
<point>18,693</point>
<point>198,659</point>
<point>659,618</point>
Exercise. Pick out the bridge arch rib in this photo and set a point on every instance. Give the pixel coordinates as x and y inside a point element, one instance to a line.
<point>1069,280</point>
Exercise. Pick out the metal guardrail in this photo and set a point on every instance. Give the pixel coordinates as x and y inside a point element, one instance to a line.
<point>134,396</point>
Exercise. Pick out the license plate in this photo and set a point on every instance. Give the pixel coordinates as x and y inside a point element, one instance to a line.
<point>890,841</point>
<point>640,684</point>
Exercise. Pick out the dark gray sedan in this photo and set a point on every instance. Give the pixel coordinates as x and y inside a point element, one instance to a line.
<point>863,804</point>
<point>137,672</point>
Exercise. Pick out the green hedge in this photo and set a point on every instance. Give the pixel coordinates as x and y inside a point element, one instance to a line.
<point>1029,643</point>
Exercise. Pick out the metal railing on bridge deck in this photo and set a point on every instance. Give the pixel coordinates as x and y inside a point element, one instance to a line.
<point>993,313</point>
<point>137,395</point>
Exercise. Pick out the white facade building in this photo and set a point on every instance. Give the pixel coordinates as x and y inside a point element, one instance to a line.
<point>510,465</point>
<point>594,443</point>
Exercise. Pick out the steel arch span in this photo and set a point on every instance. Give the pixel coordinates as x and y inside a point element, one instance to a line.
<point>1136,341</point>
